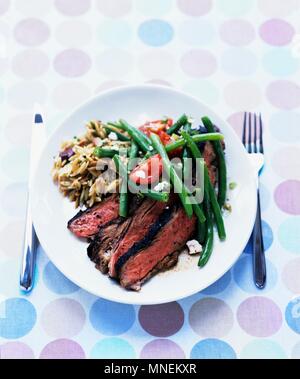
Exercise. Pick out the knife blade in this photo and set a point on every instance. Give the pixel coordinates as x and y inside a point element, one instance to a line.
<point>30,243</point>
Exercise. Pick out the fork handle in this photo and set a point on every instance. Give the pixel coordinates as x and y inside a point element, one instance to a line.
<point>259,261</point>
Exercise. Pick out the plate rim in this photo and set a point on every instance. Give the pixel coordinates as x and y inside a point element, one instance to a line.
<point>66,119</point>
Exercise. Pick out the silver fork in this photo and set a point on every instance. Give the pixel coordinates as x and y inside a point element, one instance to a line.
<point>253,141</point>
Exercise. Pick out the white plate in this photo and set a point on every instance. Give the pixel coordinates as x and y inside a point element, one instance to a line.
<point>51,211</point>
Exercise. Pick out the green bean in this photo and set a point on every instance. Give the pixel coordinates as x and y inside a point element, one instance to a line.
<point>101,153</point>
<point>196,138</point>
<point>123,173</point>
<point>139,137</point>
<point>209,189</point>
<point>201,231</point>
<point>178,124</point>
<point>209,240</point>
<point>154,195</point>
<point>159,196</point>
<point>179,187</point>
<point>222,171</point>
<point>112,129</point>
<point>134,149</point>
<point>199,213</point>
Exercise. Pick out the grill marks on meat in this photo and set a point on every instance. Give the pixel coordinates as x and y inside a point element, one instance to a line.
<point>138,265</point>
<point>87,223</point>
<point>140,224</point>
<point>146,240</point>
<point>104,243</point>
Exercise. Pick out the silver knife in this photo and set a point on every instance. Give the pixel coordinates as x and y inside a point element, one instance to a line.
<point>30,244</point>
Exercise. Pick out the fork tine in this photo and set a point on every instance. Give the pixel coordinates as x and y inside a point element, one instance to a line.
<point>255,134</point>
<point>249,135</point>
<point>244,129</point>
<point>261,145</point>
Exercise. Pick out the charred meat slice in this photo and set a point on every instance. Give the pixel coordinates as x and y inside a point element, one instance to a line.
<point>140,224</point>
<point>87,223</point>
<point>137,264</point>
<point>104,243</point>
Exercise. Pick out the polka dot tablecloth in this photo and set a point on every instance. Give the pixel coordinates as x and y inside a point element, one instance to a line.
<point>234,55</point>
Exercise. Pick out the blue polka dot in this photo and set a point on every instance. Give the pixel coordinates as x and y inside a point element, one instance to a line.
<point>17,318</point>
<point>219,286</point>
<point>111,318</point>
<point>289,236</point>
<point>155,32</point>
<point>292,315</point>
<point>57,282</point>
<point>212,348</point>
<point>267,237</point>
<point>243,273</point>
<point>280,62</point>
<point>263,349</point>
<point>113,348</point>
<point>285,126</point>
<point>239,61</point>
<point>115,33</point>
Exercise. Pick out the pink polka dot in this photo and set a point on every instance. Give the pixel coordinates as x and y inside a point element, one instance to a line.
<point>73,7</point>
<point>63,318</point>
<point>110,84</point>
<point>62,349</point>
<point>284,94</point>
<point>114,8</point>
<point>4,5</point>
<point>276,32</point>
<point>25,94</point>
<point>236,120</point>
<point>114,62</point>
<point>194,8</point>
<point>290,275</point>
<point>161,320</point>
<point>198,63</point>
<point>237,32</point>
<point>162,349</point>
<point>287,197</point>
<point>15,350</point>
<point>259,316</point>
<point>31,32</point>
<point>72,63</point>
<point>243,94</point>
<point>156,63</point>
<point>285,162</point>
<point>67,95</point>
<point>30,63</point>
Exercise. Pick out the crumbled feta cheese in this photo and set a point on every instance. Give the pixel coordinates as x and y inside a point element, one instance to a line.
<point>162,186</point>
<point>150,148</point>
<point>112,136</point>
<point>194,247</point>
<point>140,174</point>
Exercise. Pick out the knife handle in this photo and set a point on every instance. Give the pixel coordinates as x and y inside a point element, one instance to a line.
<point>29,253</point>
